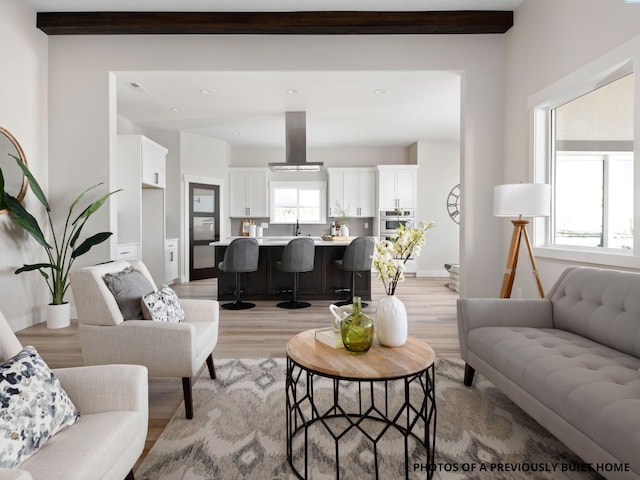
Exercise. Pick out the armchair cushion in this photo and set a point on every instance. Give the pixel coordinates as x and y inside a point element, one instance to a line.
<point>34,407</point>
<point>128,287</point>
<point>162,306</point>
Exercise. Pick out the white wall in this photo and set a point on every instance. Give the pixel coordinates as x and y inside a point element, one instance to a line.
<point>23,112</point>
<point>438,173</point>
<point>551,39</point>
<point>80,103</point>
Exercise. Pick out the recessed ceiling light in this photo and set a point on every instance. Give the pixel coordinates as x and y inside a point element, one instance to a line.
<point>136,87</point>
<point>177,109</point>
<point>293,91</point>
<point>207,91</point>
<point>381,91</point>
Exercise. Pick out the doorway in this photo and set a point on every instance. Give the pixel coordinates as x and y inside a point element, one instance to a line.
<point>204,227</point>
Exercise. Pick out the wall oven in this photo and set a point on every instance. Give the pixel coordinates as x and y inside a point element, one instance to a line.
<point>390,221</point>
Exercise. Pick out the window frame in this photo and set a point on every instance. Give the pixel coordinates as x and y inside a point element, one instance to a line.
<point>306,185</point>
<point>607,68</point>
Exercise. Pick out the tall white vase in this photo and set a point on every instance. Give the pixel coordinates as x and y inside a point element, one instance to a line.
<point>391,322</point>
<point>58,316</point>
<point>344,230</point>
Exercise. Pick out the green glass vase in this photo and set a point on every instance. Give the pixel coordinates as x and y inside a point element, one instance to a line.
<point>357,330</point>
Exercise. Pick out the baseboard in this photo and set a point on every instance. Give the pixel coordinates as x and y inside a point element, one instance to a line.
<point>433,273</point>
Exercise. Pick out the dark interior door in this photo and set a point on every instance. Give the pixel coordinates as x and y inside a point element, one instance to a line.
<point>204,227</point>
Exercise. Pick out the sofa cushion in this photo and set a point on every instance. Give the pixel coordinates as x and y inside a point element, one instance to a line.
<point>592,386</point>
<point>128,287</point>
<point>33,407</point>
<point>602,305</point>
<point>98,446</point>
<point>162,306</point>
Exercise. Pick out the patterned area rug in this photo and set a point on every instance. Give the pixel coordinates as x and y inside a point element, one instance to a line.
<point>238,431</point>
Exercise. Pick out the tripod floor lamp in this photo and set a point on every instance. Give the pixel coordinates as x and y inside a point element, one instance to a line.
<point>520,200</point>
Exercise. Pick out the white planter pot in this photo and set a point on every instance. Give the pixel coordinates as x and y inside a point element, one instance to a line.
<point>391,322</point>
<point>58,316</point>
<point>344,230</point>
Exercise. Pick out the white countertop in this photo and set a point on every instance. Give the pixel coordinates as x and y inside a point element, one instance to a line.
<point>281,241</point>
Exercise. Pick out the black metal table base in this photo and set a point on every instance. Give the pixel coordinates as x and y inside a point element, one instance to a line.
<point>373,408</point>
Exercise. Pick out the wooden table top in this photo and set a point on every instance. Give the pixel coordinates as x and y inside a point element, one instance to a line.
<point>379,363</point>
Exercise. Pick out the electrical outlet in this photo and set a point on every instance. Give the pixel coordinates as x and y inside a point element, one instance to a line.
<point>366,224</point>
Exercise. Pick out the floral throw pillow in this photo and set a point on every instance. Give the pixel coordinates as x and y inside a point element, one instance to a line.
<point>162,306</point>
<point>33,407</point>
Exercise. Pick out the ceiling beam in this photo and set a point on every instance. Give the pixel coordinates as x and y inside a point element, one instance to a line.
<point>275,23</point>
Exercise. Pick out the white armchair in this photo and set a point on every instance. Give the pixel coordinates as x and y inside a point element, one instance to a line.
<point>110,434</point>
<point>166,349</point>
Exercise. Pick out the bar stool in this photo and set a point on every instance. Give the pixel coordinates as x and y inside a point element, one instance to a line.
<point>356,258</point>
<point>240,256</point>
<point>297,256</point>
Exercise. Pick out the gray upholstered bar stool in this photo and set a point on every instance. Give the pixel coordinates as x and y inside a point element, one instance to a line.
<point>357,258</point>
<point>241,256</point>
<point>298,256</point>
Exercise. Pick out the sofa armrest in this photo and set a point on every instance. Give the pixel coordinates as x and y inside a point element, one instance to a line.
<point>166,349</point>
<point>200,310</point>
<point>105,388</point>
<point>501,312</point>
<point>14,474</point>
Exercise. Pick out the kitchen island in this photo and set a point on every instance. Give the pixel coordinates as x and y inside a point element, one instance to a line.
<point>268,283</point>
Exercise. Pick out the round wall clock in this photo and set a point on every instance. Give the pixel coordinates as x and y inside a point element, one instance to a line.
<point>453,204</point>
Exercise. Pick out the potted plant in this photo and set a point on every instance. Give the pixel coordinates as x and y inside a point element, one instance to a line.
<point>345,219</point>
<point>66,245</point>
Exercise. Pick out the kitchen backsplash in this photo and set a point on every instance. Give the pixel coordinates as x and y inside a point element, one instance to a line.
<point>356,228</point>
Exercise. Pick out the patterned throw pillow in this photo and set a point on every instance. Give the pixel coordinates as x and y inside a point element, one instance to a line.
<point>162,306</point>
<point>33,407</point>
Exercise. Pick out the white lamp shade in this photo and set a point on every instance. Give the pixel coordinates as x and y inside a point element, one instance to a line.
<point>526,199</point>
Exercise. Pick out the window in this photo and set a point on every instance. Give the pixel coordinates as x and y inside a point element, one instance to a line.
<point>304,202</point>
<point>583,145</point>
<point>592,168</point>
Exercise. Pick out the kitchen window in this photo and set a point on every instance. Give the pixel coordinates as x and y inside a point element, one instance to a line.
<point>583,145</point>
<point>303,202</point>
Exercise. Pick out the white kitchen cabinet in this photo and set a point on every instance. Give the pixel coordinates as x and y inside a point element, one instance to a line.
<point>248,192</point>
<point>141,203</point>
<point>354,190</point>
<point>397,186</point>
<point>170,260</point>
<point>153,158</point>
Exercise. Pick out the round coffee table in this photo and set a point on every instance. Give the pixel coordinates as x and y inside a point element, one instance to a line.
<point>335,394</point>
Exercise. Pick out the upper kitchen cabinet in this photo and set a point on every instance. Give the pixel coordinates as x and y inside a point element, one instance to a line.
<point>141,203</point>
<point>397,186</point>
<point>248,192</point>
<point>354,190</point>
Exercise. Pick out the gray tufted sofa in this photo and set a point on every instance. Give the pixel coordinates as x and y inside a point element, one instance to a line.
<point>569,360</point>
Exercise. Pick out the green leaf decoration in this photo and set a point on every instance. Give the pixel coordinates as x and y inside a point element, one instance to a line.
<point>79,197</point>
<point>35,266</point>
<point>92,241</point>
<point>91,209</point>
<point>25,219</point>
<point>33,183</point>
<point>1,190</point>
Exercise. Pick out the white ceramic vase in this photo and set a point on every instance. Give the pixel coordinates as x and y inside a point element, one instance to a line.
<point>344,230</point>
<point>58,316</point>
<point>391,322</point>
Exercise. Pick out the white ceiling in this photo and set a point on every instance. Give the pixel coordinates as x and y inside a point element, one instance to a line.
<point>247,109</point>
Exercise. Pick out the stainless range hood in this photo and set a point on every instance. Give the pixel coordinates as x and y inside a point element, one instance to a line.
<point>296,146</point>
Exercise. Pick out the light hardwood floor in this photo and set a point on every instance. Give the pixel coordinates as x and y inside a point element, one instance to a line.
<point>263,332</point>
